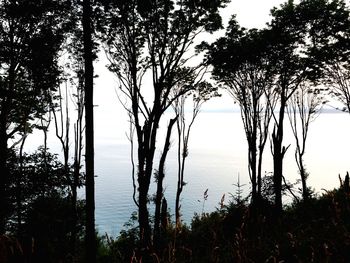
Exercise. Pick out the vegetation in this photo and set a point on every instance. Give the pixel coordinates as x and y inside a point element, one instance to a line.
<point>291,67</point>
<point>315,230</point>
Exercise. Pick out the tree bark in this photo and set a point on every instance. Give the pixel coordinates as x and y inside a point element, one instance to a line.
<point>89,134</point>
<point>159,194</point>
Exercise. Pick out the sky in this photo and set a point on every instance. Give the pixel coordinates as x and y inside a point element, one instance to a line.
<point>249,13</point>
<point>111,120</point>
<point>109,113</point>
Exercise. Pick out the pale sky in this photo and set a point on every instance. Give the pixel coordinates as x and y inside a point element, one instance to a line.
<point>110,116</point>
<point>251,13</point>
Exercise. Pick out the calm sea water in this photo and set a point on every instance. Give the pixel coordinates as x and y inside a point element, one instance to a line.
<point>217,158</point>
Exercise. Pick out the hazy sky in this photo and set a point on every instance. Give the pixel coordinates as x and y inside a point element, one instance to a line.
<point>111,120</point>
<point>249,13</point>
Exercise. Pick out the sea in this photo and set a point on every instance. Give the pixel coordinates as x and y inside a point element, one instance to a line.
<point>216,164</point>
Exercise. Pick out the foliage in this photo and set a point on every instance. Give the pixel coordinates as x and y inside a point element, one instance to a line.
<point>41,216</point>
<point>309,231</point>
<point>31,34</point>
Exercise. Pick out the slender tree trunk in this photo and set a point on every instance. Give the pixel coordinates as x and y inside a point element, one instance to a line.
<point>177,200</point>
<point>253,163</point>
<point>146,149</point>
<point>277,175</point>
<point>260,159</point>
<point>3,175</point>
<point>159,194</point>
<point>89,134</point>
<point>303,177</point>
<point>143,179</point>
<point>278,155</point>
<point>74,209</point>
<point>145,228</point>
<point>4,171</point>
<point>19,188</point>
<point>78,132</point>
<point>181,157</point>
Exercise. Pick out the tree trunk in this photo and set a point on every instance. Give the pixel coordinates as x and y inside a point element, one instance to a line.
<point>277,175</point>
<point>278,155</point>
<point>89,134</point>
<point>19,187</point>
<point>74,208</point>
<point>3,175</point>
<point>177,203</point>
<point>253,171</point>
<point>259,170</point>
<point>143,179</point>
<point>146,148</point>
<point>303,177</point>
<point>159,194</point>
<point>181,157</point>
<point>145,229</point>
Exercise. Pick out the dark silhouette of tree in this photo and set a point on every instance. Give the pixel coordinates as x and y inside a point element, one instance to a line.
<point>264,68</point>
<point>31,34</point>
<point>91,244</point>
<point>290,71</point>
<point>61,109</point>
<point>339,82</point>
<point>202,93</point>
<point>45,206</point>
<point>153,37</point>
<point>241,63</point>
<point>304,107</point>
<point>160,174</point>
<point>299,54</point>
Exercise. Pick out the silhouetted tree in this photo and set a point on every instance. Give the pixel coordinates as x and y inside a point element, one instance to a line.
<point>202,93</point>
<point>299,55</point>
<point>241,63</point>
<point>31,34</point>
<point>160,174</point>
<point>89,132</point>
<point>339,82</point>
<point>304,107</point>
<point>69,99</point>
<point>153,37</point>
<point>44,207</point>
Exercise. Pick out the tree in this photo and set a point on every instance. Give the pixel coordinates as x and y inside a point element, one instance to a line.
<point>184,124</point>
<point>31,33</point>
<point>153,38</point>
<point>339,82</point>
<point>241,63</point>
<point>44,210</point>
<point>91,245</point>
<point>62,113</point>
<point>304,107</point>
<point>299,54</point>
